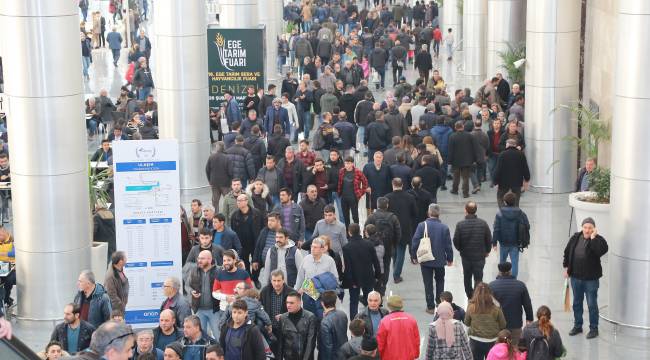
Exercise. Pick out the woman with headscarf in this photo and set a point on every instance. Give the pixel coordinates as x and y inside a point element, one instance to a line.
<point>447,337</point>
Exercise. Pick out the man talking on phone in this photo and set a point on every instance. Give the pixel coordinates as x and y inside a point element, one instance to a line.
<point>582,265</point>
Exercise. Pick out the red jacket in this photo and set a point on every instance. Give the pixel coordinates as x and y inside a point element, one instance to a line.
<point>398,337</point>
<point>360,182</point>
<point>437,35</point>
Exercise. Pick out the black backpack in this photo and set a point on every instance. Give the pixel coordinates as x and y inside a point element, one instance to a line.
<point>384,230</point>
<point>538,349</point>
<point>523,233</point>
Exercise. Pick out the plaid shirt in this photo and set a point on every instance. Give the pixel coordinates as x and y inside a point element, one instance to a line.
<point>307,158</point>
<point>437,349</point>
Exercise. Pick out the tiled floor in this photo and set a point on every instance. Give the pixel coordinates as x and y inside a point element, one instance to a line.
<point>540,265</point>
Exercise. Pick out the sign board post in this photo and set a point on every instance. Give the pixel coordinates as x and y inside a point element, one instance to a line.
<point>235,61</point>
<point>147,216</point>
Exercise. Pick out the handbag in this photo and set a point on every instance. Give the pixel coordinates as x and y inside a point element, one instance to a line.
<point>424,252</point>
<point>374,77</point>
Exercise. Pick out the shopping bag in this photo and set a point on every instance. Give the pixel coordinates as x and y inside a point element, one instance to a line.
<point>567,296</point>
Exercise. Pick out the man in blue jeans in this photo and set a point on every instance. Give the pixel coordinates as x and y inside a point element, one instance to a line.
<point>582,265</point>
<point>506,231</point>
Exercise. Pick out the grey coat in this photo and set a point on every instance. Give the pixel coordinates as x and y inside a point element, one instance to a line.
<point>180,307</point>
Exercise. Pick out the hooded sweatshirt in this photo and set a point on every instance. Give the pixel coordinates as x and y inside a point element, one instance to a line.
<point>265,274</point>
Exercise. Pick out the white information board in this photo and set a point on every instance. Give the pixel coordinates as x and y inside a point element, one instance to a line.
<point>147,216</point>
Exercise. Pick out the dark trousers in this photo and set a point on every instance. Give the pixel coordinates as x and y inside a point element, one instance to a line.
<point>480,349</point>
<point>458,173</point>
<point>503,190</point>
<point>424,74</point>
<point>428,277</point>
<point>354,299</point>
<point>8,283</point>
<point>381,284</point>
<point>116,55</point>
<point>217,193</point>
<point>245,255</point>
<point>436,47</point>
<point>382,76</point>
<point>472,269</point>
<point>582,289</point>
<point>350,205</point>
<point>397,72</point>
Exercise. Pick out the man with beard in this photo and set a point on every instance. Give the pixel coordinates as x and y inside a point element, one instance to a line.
<point>203,304</point>
<point>73,333</point>
<point>226,280</point>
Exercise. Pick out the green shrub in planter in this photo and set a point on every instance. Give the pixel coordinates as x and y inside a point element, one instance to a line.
<point>599,183</point>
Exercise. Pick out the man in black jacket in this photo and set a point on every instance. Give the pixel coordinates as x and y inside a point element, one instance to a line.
<point>362,268</point>
<point>219,172</point>
<point>312,206</point>
<point>273,298</point>
<point>298,330</point>
<point>247,222</point>
<point>422,198</point>
<point>431,177</point>
<point>377,135</point>
<point>511,172</point>
<point>424,64</point>
<point>292,170</point>
<point>464,151</point>
<point>363,108</point>
<point>473,239</point>
<point>203,304</point>
<point>403,205</point>
<point>512,295</point>
<point>239,336</point>
<point>582,265</point>
<point>390,232</point>
<point>243,164</point>
<point>378,58</point>
<point>72,324</point>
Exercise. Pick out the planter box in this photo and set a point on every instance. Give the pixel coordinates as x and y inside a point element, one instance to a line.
<point>583,209</point>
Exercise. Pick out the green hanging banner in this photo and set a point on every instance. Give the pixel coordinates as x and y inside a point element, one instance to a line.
<point>235,61</point>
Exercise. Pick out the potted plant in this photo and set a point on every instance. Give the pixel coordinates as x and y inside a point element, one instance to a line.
<point>514,52</point>
<point>98,179</point>
<point>595,202</point>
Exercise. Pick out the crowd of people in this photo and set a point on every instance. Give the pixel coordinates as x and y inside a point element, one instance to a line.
<point>267,263</point>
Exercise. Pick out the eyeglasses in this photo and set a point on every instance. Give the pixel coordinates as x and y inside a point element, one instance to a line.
<point>130,333</point>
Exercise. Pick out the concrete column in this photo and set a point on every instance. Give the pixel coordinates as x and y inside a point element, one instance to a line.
<point>629,248</point>
<point>270,14</point>
<point>239,14</point>
<point>474,32</point>
<point>451,19</point>
<point>552,68</point>
<point>181,76</point>
<point>506,23</point>
<point>49,164</point>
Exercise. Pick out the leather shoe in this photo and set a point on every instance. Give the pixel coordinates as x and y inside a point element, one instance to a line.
<point>575,331</point>
<point>593,333</point>
<point>454,192</point>
<point>398,280</point>
<point>430,311</point>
